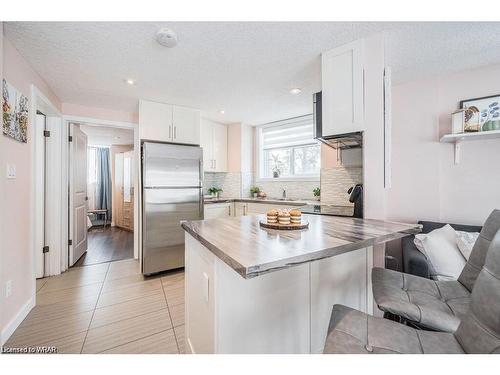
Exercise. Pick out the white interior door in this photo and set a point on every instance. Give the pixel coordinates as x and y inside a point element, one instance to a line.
<point>78,184</point>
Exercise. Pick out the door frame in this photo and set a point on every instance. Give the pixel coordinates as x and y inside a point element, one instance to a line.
<point>39,102</point>
<point>67,119</point>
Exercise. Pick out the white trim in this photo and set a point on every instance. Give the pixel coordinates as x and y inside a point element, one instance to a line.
<point>17,320</point>
<point>67,119</point>
<point>98,122</point>
<point>258,156</point>
<point>38,102</point>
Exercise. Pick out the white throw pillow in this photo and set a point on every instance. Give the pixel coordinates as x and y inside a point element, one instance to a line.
<point>466,241</point>
<point>440,248</point>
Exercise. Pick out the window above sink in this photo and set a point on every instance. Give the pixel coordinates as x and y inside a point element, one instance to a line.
<point>287,151</point>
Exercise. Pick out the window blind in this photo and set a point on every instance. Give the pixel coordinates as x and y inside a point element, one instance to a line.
<point>293,132</point>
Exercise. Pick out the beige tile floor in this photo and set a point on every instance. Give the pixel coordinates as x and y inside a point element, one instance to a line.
<point>106,308</point>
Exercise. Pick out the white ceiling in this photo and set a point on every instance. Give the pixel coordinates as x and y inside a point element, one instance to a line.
<point>107,136</point>
<point>246,69</point>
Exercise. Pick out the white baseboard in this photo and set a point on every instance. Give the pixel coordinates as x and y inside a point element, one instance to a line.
<point>14,323</point>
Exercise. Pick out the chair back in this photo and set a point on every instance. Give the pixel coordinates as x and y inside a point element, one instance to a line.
<point>478,254</point>
<point>479,331</point>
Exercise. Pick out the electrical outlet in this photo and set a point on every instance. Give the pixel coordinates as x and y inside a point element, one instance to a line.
<point>8,288</point>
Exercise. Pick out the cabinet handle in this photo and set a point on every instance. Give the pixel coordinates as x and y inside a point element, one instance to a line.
<point>229,210</point>
<point>175,132</point>
<point>170,131</point>
<point>215,164</point>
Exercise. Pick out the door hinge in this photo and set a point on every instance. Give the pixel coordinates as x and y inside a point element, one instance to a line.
<point>70,138</point>
<point>46,133</point>
<point>70,242</point>
<point>45,249</point>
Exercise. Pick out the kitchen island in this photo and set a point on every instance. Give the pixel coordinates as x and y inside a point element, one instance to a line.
<point>255,290</point>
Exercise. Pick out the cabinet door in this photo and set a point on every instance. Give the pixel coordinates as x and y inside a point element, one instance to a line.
<point>220,147</point>
<point>214,211</point>
<point>343,89</point>
<point>240,209</point>
<point>155,121</point>
<point>186,125</point>
<point>206,142</point>
<point>262,208</point>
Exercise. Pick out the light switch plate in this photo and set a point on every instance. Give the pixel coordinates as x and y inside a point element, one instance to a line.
<point>8,288</point>
<point>11,171</point>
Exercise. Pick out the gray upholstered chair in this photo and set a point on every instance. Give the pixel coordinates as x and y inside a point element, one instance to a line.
<point>430,304</point>
<point>351,331</point>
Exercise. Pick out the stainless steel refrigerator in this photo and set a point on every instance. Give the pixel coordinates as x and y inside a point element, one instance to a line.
<point>172,181</point>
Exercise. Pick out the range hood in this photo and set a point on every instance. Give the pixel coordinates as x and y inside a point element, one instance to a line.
<point>337,141</point>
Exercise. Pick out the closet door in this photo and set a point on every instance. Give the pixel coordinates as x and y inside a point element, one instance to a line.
<point>119,189</point>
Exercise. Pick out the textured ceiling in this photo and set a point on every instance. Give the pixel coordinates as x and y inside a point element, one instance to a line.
<point>99,135</point>
<point>245,68</point>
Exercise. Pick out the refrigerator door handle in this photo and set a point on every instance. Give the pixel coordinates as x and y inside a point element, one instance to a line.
<point>202,216</point>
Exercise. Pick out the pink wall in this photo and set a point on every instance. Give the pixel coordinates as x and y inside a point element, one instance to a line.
<point>99,113</point>
<point>426,184</point>
<point>17,257</point>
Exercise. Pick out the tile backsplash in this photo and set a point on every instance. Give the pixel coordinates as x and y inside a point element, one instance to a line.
<point>334,185</point>
<point>336,181</point>
<point>230,183</point>
<point>294,189</point>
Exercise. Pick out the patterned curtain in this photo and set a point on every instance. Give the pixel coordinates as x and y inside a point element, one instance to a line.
<point>103,184</point>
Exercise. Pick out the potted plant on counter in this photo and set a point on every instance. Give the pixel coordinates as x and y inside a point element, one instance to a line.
<point>317,193</point>
<point>255,190</point>
<point>215,192</point>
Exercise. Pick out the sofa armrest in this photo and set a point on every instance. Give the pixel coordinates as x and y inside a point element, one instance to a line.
<point>414,262</point>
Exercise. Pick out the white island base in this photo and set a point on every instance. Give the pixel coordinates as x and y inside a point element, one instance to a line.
<point>284,311</point>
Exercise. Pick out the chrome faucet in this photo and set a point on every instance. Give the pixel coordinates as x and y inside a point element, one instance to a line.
<point>284,193</point>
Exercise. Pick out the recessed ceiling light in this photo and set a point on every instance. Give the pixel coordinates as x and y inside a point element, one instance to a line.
<point>222,111</point>
<point>130,81</point>
<point>166,37</point>
<point>295,91</point>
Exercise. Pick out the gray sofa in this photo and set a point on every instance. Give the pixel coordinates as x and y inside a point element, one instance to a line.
<point>414,262</point>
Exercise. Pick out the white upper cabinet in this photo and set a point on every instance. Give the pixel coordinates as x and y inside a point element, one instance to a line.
<point>155,121</point>
<point>343,89</point>
<point>186,125</point>
<point>168,123</point>
<point>214,143</point>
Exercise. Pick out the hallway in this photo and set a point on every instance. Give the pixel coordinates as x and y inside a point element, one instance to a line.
<point>107,245</point>
<point>106,308</point>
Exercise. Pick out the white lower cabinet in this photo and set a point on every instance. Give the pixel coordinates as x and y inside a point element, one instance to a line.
<point>262,208</point>
<point>285,312</point>
<point>249,208</point>
<point>240,208</point>
<point>218,210</point>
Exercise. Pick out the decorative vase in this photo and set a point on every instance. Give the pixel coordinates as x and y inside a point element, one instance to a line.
<point>255,195</point>
<point>276,174</point>
<point>491,125</point>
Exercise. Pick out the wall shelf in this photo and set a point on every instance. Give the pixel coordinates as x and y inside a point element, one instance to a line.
<point>457,139</point>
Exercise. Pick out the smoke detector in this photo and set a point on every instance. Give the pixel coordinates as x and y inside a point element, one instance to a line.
<point>166,37</point>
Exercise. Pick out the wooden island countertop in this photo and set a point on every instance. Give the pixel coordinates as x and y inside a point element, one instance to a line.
<point>252,251</point>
